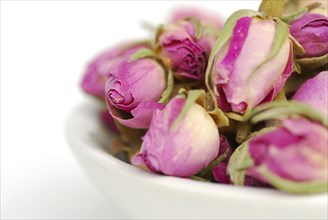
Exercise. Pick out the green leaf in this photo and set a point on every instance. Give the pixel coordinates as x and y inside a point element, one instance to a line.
<point>283,109</point>
<point>272,8</point>
<point>239,163</point>
<point>223,39</point>
<point>142,53</point>
<point>292,186</point>
<point>169,87</point>
<point>192,96</point>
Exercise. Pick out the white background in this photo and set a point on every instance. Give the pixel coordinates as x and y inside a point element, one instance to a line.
<point>44,50</point>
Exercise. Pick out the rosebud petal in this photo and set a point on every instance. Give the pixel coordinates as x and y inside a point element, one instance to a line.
<point>132,82</point>
<point>183,51</point>
<point>94,79</point>
<point>135,87</point>
<point>165,147</point>
<point>314,92</point>
<point>242,74</point>
<point>311,31</point>
<point>140,116</point>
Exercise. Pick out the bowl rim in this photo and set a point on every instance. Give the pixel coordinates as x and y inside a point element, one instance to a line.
<point>77,128</point>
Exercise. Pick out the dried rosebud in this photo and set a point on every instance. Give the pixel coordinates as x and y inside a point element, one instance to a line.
<point>311,31</point>
<point>314,92</point>
<point>184,49</point>
<point>207,17</point>
<point>177,147</point>
<point>94,79</point>
<point>252,61</point>
<point>292,157</point>
<point>135,87</point>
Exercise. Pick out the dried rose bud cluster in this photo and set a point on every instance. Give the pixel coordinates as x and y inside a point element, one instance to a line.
<point>241,102</point>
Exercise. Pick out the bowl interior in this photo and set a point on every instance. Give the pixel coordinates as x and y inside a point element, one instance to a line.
<point>90,142</point>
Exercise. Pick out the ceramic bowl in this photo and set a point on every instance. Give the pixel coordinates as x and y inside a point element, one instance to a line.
<point>144,195</point>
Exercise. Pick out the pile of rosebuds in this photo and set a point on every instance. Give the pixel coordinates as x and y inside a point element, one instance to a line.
<point>241,102</point>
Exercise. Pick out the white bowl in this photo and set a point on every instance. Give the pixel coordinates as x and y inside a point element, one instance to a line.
<point>144,195</point>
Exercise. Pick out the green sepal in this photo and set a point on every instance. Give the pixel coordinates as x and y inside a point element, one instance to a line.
<point>292,16</point>
<point>143,53</point>
<point>282,109</point>
<point>281,35</point>
<point>169,88</point>
<point>297,47</point>
<point>216,113</point>
<point>242,131</point>
<point>200,97</point>
<point>272,8</point>
<point>207,171</point>
<point>219,117</point>
<point>239,163</point>
<point>282,184</point>
<point>223,38</point>
<point>192,96</point>
<point>197,25</point>
<point>198,178</point>
<point>297,67</point>
<point>240,160</point>
<point>210,30</point>
<point>235,116</point>
<point>313,63</point>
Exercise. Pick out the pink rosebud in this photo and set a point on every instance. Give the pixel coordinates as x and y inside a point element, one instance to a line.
<point>314,92</point>
<point>94,79</point>
<point>311,31</point>
<point>135,87</point>
<point>296,151</point>
<point>253,64</point>
<point>179,148</point>
<point>207,17</point>
<point>183,51</point>
<point>292,157</point>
